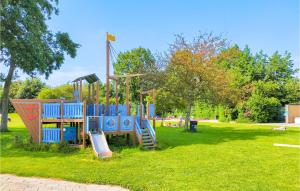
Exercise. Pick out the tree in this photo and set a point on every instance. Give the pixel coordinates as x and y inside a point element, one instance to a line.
<point>13,93</point>
<point>191,73</point>
<point>30,88</point>
<point>138,60</point>
<point>27,44</point>
<point>166,103</point>
<point>261,82</point>
<point>64,91</point>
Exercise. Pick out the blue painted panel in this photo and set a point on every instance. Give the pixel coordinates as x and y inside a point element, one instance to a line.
<point>73,110</point>
<point>127,123</point>
<point>70,134</point>
<point>152,109</point>
<point>51,135</point>
<point>110,123</point>
<point>91,110</point>
<point>122,110</point>
<point>76,94</point>
<point>51,110</point>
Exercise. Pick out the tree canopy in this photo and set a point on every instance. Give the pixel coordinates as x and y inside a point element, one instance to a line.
<point>27,44</point>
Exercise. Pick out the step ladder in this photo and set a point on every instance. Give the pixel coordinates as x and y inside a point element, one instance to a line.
<point>147,141</point>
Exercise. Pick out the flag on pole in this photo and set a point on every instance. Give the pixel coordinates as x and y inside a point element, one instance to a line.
<point>110,37</point>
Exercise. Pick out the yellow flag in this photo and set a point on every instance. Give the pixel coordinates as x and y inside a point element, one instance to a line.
<point>110,37</point>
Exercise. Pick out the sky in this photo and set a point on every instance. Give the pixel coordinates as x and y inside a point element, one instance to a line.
<point>267,25</point>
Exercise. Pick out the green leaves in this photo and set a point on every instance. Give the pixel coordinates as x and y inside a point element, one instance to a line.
<point>26,39</point>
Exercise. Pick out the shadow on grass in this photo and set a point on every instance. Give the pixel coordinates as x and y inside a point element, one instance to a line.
<point>209,134</point>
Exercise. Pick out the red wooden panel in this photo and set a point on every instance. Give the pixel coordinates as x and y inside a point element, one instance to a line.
<point>30,114</point>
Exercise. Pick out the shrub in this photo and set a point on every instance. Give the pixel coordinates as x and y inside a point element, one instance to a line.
<point>64,147</point>
<point>28,145</point>
<point>263,109</point>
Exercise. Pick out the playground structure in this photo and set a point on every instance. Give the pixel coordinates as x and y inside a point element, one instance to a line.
<point>78,120</point>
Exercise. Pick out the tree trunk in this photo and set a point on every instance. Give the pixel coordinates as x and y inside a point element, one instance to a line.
<point>187,117</point>
<point>5,98</point>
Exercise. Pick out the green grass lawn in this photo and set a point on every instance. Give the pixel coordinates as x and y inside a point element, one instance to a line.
<point>220,156</point>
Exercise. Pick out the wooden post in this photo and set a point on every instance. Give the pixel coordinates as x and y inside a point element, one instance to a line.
<point>107,78</point>
<point>83,125</point>
<point>89,93</point>
<point>93,93</point>
<point>119,123</point>
<point>141,109</point>
<point>40,123</point>
<point>154,105</point>
<point>61,121</point>
<point>81,90</point>
<point>74,89</point>
<point>134,130</point>
<point>97,98</point>
<point>148,110</point>
<point>127,96</point>
<point>117,96</point>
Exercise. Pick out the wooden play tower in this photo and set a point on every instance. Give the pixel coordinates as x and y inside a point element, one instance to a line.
<point>58,120</point>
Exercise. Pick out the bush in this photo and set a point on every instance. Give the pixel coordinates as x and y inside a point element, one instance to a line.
<point>263,109</point>
<point>64,147</point>
<point>28,145</point>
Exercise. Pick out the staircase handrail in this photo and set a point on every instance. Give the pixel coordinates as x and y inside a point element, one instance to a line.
<point>151,130</point>
<point>138,131</point>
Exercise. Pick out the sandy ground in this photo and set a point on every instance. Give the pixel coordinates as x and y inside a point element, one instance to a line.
<point>15,183</point>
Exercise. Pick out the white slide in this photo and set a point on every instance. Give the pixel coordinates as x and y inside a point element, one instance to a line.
<point>100,145</point>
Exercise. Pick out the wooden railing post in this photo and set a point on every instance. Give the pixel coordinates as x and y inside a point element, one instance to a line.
<point>83,123</point>
<point>40,123</point>
<point>119,122</point>
<point>61,121</point>
<point>134,130</point>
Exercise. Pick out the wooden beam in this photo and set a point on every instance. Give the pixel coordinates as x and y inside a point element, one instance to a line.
<point>127,96</point>
<point>117,96</point>
<point>89,92</point>
<point>141,109</point>
<point>107,78</point>
<point>61,121</point>
<point>97,98</point>
<point>126,75</point>
<point>93,93</point>
<point>154,113</point>
<point>40,123</point>
<point>83,124</point>
<point>80,90</point>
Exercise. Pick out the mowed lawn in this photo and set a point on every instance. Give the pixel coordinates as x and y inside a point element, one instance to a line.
<point>220,156</point>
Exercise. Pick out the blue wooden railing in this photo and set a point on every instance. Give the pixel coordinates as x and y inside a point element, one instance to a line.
<point>51,110</point>
<point>71,110</point>
<point>51,135</point>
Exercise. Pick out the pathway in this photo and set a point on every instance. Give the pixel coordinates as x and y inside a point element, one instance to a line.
<point>15,183</point>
